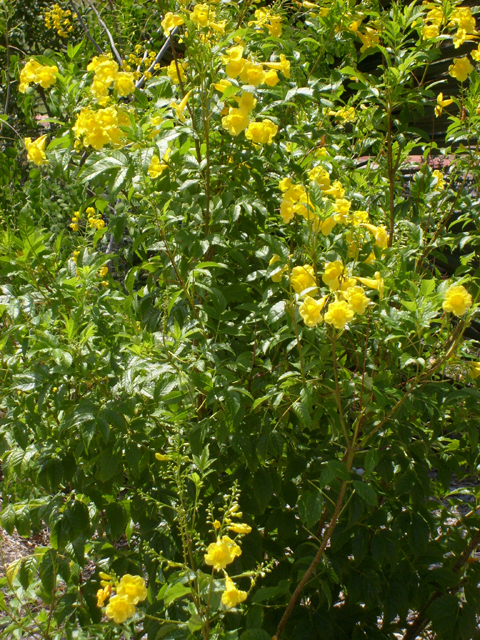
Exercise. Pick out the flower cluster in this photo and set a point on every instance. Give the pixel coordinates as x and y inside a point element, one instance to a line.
<point>433,22</point>
<point>36,150</point>
<point>463,20</point>
<point>59,19</point>
<point>107,74</point>
<point>129,592</point>
<point>264,19</point>
<point>34,72</point>
<point>94,219</point>
<point>101,127</point>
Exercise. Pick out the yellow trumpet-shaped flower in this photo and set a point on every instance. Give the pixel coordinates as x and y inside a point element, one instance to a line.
<point>338,314</point>
<point>303,278</point>
<point>232,596</point>
<point>461,69</point>
<point>238,527</point>
<point>457,300</point>
<point>283,65</point>
<point>441,103</point>
<point>132,588</point>
<point>311,309</point>
<point>333,274</point>
<point>119,609</point>
<point>171,21</point>
<point>374,283</point>
<point>277,277</point>
<point>474,369</point>
<point>379,233</point>
<point>180,108</point>
<point>36,150</point>
<point>222,552</point>
<point>357,299</point>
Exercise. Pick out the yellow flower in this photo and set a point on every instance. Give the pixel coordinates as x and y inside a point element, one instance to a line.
<point>457,300</point>
<point>474,369</point>
<point>252,73</point>
<point>173,72</point>
<point>222,85</point>
<point>338,314</point>
<point>285,184</point>
<point>440,186</point>
<point>336,190</point>
<point>369,39</point>
<point>463,19</point>
<point>277,277</point>
<point>333,274</point>
<point>271,78</point>
<point>180,108</point>
<point>132,588</point>
<point>200,15</point>
<point>357,299</point>
<point>236,121</point>
<point>232,596</point>
<point>442,103</point>
<point>102,272</point>
<point>238,527</point>
<point>261,132</point>
<point>321,177</point>
<point>156,167</point>
<point>46,76</point>
<point>99,91</point>
<point>274,27</point>
<point>310,310</point>
<point>324,226</point>
<point>36,150</point>
<point>234,61</point>
<point>246,102</point>
<point>222,552</point>
<point>96,61</point>
<point>283,65</point>
<point>342,208</point>
<point>379,233</point>
<point>435,15</point>
<point>216,525</point>
<point>162,458</point>
<point>171,21</point>
<point>374,283</point>
<point>124,83</point>
<point>476,54</point>
<point>103,594</point>
<point>119,609</point>
<point>460,69</point>
<point>430,31</point>
<point>359,217</point>
<point>106,72</point>
<point>303,278</point>
<point>286,210</point>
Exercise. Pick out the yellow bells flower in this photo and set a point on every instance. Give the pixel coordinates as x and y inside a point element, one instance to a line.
<point>463,19</point>
<point>216,525</point>
<point>441,103</point>
<point>321,177</point>
<point>132,588</point>
<point>232,596</point>
<point>222,85</point>
<point>222,552</point>
<point>236,121</point>
<point>346,283</point>
<point>96,61</point>
<point>246,101</point>
<point>474,369</point>
<point>106,72</point>
<point>99,92</point>
<point>359,217</point>
<point>333,274</point>
<point>476,54</point>
<point>261,132</point>
<point>285,184</point>
<point>36,150</point>
<point>252,73</point>
<point>379,233</point>
<point>461,69</point>
<point>238,527</point>
<point>234,61</point>
<point>303,278</point>
<point>435,15</point>
<point>277,277</point>
<point>162,457</point>
<point>28,74</point>
<point>336,190</point>
<point>103,594</point>
<point>286,210</point>
<point>311,309</point>
<point>341,207</point>
<point>357,299</point>
<point>460,37</point>
<point>201,15</point>
<point>369,39</point>
<point>171,21</point>
<point>271,78</point>
<point>124,84</point>
<point>440,186</point>
<point>457,300</point>
<point>374,283</point>
<point>430,31</point>
<point>219,27</point>
<point>283,65</point>
<point>304,207</point>
<point>156,167</point>
<point>324,226</point>
<point>176,72</point>
<point>275,26</point>
<point>338,314</point>
<point>119,609</point>
<point>180,108</point>
<point>46,76</point>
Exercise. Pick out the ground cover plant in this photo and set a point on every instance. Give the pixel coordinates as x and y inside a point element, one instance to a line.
<point>239,349</point>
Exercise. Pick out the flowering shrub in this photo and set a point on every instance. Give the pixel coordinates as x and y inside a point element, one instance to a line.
<point>239,345</point>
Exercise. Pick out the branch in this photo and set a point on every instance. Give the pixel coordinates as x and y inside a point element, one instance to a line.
<point>98,48</point>
<point>158,57</point>
<point>107,31</point>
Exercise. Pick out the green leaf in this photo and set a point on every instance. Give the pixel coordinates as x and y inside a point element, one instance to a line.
<point>174,592</point>
<point>255,634</point>
<point>310,507</point>
<point>7,519</point>
<point>117,519</point>
<point>366,492</point>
